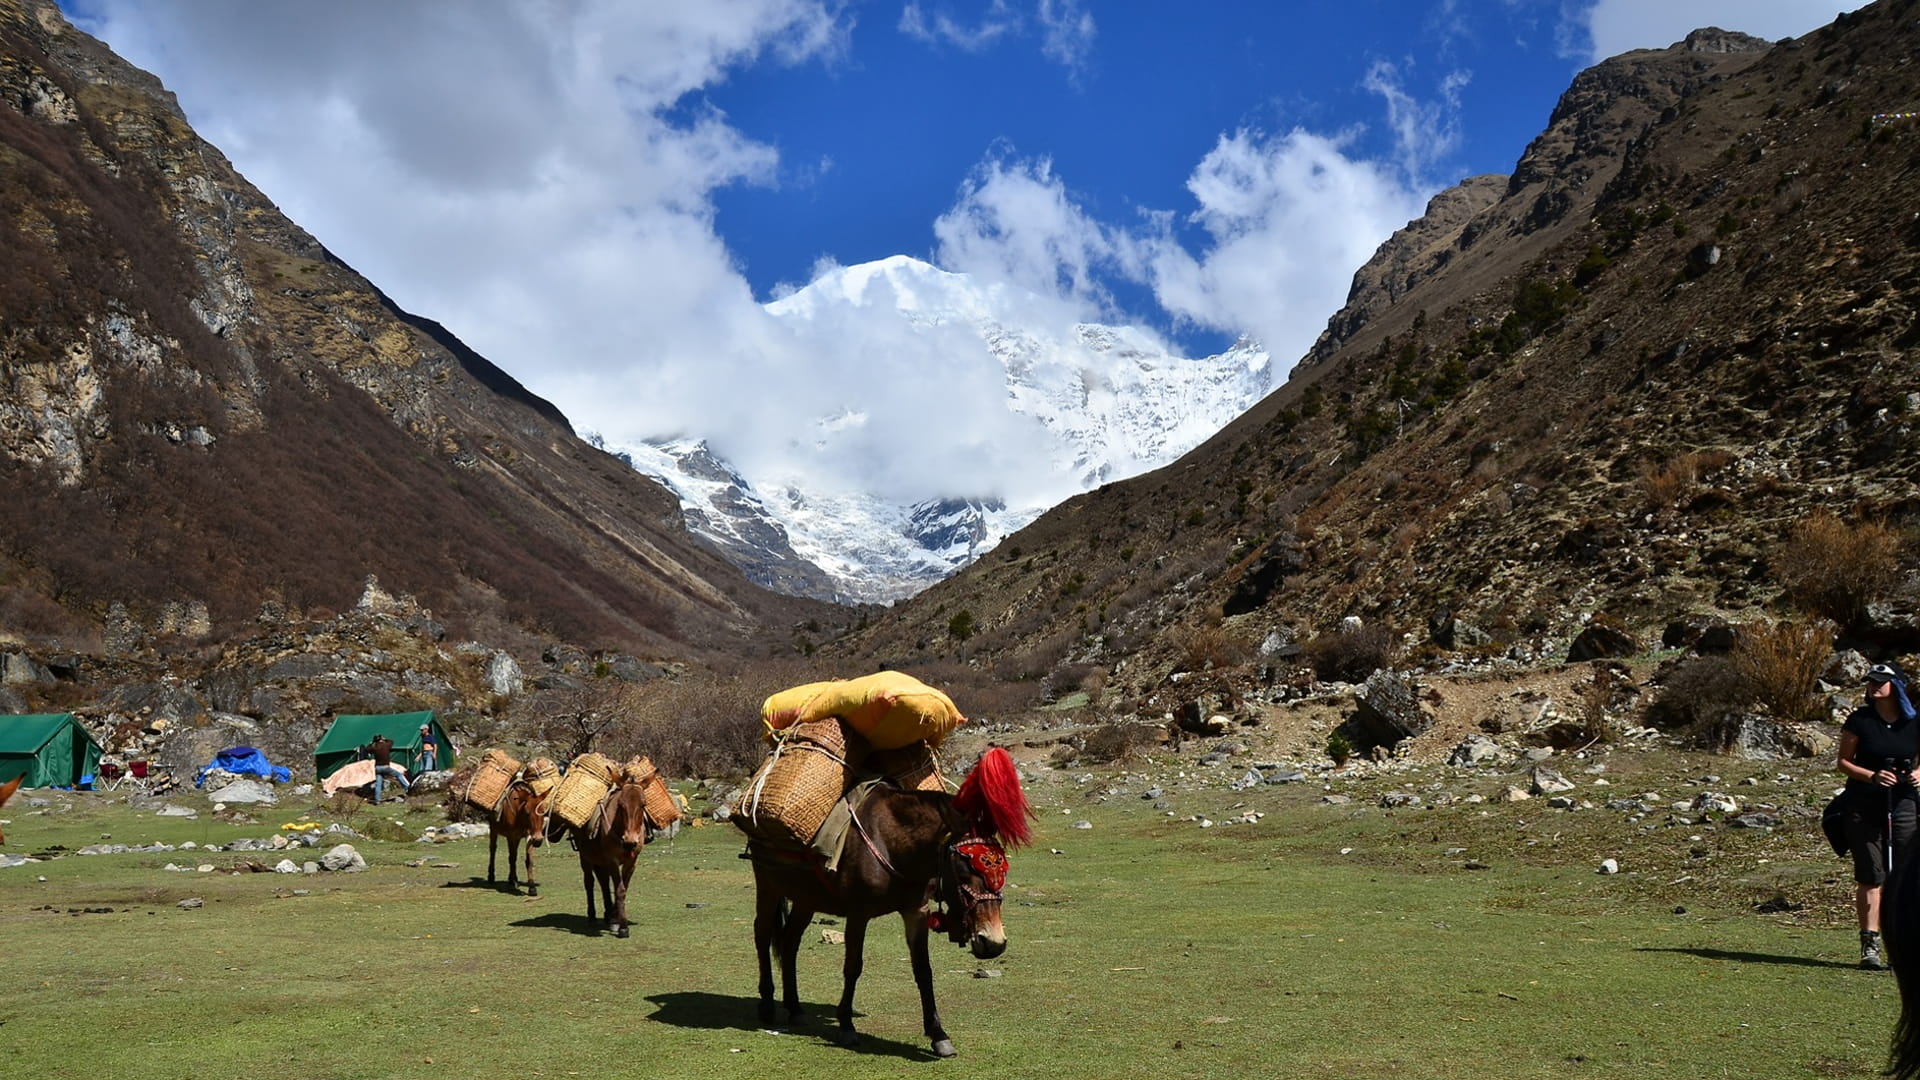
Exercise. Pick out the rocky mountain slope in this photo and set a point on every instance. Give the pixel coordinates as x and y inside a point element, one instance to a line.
<point>203,411</point>
<point>1602,389</point>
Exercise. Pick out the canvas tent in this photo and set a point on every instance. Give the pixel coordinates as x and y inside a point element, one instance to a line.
<point>49,749</point>
<point>342,742</point>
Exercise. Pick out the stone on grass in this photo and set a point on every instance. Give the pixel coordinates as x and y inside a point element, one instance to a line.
<point>343,858</point>
<point>1609,866</point>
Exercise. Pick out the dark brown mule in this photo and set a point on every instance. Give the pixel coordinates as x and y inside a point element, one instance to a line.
<point>906,852</point>
<point>6,792</point>
<point>522,816</point>
<point>607,856</point>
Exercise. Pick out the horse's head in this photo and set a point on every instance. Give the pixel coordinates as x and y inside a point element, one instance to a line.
<point>970,886</point>
<point>530,807</point>
<point>626,819</point>
<point>6,792</point>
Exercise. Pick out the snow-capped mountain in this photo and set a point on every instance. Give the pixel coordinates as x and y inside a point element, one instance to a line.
<point>1109,402</point>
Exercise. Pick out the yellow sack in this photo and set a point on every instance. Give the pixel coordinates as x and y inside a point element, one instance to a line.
<point>890,708</point>
<point>782,709</point>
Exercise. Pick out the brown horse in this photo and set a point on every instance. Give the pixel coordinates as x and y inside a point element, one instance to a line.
<point>522,815</point>
<point>907,852</point>
<point>608,848</point>
<point>6,792</point>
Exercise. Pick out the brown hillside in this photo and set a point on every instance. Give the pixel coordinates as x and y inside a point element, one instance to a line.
<point>1606,387</point>
<point>199,405</point>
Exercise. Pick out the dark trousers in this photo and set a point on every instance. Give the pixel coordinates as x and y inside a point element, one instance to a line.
<point>1867,830</point>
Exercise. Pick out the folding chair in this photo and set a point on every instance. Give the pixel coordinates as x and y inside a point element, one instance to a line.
<point>109,776</point>
<point>137,773</point>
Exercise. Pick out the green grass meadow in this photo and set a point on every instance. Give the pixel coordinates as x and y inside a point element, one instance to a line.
<point>1144,947</point>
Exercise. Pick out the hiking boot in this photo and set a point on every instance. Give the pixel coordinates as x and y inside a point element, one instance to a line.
<point>1870,951</point>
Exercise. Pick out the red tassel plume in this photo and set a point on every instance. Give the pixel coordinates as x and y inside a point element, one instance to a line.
<point>991,797</point>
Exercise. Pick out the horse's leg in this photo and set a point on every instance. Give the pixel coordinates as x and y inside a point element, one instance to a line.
<point>493,845</point>
<point>532,889</point>
<point>916,922</point>
<point>850,976</point>
<point>625,873</point>
<point>605,875</point>
<point>766,927</point>
<point>586,876</point>
<point>791,930</point>
<point>513,862</point>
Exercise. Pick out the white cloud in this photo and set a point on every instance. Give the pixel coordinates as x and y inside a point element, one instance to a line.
<point>1065,28</point>
<point>1289,220</point>
<point>1015,222</point>
<point>994,25</point>
<point>1610,27</point>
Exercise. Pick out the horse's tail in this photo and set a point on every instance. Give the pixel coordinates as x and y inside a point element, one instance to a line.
<point>1900,922</point>
<point>992,798</point>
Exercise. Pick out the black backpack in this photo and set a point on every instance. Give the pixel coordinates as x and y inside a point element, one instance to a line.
<point>1833,821</point>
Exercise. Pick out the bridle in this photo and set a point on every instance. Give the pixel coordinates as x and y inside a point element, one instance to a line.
<point>967,861</point>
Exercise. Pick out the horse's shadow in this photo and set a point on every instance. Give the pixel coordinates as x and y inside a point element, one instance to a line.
<point>477,882</point>
<point>716,1012</point>
<point>1754,958</point>
<point>574,922</point>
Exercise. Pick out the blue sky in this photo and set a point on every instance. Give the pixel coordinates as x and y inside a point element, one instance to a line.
<point>599,194</point>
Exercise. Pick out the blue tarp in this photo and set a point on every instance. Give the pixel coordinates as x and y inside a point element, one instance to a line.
<point>246,761</point>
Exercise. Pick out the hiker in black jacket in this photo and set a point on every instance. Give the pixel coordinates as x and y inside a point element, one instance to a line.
<point>1878,745</point>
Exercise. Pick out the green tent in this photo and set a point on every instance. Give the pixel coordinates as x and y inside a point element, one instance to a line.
<point>342,743</point>
<point>49,749</point>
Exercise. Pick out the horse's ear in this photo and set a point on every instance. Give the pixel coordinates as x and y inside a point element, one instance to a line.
<point>7,789</point>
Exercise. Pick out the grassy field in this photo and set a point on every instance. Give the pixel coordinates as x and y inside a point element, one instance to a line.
<point>1142,946</point>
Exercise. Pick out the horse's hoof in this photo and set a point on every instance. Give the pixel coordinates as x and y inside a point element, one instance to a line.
<point>848,1038</point>
<point>532,891</point>
<point>944,1048</point>
<point>622,932</point>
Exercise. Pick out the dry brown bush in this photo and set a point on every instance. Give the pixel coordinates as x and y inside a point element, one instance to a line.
<point>1781,664</point>
<point>1205,648</point>
<point>1113,743</point>
<point>1834,569</point>
<point>1666,483</point>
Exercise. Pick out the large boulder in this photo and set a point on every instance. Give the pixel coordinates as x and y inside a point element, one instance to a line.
<point>1600,640</point>
<point>1389,710</point>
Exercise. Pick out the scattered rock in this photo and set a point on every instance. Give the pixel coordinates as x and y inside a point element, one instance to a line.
<point>1609,866</point>
<point>190,903</point>
<point>343,858</point>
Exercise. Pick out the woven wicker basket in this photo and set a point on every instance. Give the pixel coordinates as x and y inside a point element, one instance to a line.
<point>662,810</point>
<point>541,775</point>
<point>491,779</point>
<point>581,791</point>
<point>913,767</point>
<point>809,769</point>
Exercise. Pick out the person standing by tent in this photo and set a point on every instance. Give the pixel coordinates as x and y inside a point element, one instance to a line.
<point>1878,745</point>
<point>429,752</point>
<point>381,750</point>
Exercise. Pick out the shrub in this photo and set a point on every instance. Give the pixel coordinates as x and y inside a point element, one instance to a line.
<point>1781,664</point>
<point>1666,483</point>
<point>1703,698</point>
<point>1832,569</point>
<point>1112,743</point>
<point>1351,656</point>
<point>1338,748</point>
<point>1206,647</point>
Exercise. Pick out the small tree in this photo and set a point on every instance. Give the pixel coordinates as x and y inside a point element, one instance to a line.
<point>961,626</point>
